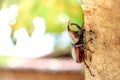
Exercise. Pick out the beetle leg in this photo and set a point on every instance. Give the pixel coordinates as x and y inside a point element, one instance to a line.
<point>88,50</point>
<point>90,59</point>
<point>90,40</point>
<point>92,32</point>
<point>92,35</point>
<point>89,69</point>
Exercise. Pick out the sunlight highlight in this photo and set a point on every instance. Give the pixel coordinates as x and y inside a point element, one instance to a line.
<point>38,45</point>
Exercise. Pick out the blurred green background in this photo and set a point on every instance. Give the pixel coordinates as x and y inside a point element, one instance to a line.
<point>50,10</point>
<point>56,14</point>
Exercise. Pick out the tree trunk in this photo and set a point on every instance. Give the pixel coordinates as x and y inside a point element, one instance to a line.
<point>103,17</point>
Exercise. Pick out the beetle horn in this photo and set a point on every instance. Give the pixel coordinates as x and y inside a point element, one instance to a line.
<point>76,25</point>
<point>73,34</point>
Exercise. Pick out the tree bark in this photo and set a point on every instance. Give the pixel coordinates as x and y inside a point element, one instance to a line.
<point>103,17</point>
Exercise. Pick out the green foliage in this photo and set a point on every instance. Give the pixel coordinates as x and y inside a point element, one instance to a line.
<point>55,12</point>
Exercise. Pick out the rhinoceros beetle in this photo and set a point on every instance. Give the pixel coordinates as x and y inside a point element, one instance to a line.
<point>78,44</point>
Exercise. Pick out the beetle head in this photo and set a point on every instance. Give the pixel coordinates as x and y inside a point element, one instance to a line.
<point>74,34</point>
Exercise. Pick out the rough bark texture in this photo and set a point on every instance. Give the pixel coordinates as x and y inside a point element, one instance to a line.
<point>103,17</point>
